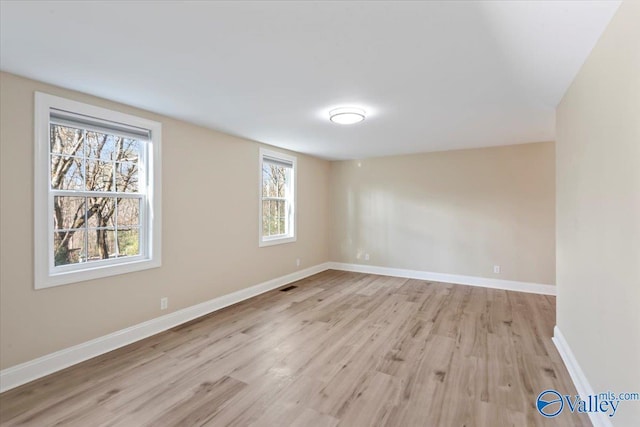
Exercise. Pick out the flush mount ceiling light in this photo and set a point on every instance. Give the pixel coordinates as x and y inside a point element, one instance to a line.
<point>346,115</point>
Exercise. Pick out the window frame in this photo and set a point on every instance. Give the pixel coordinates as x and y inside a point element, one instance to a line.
<point>292,235</point>
<point>46,274</point>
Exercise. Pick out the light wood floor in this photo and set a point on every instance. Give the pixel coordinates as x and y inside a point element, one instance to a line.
<point>341,349</point>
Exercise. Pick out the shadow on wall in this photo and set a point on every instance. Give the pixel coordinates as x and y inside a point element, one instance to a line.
<point>453,212</point>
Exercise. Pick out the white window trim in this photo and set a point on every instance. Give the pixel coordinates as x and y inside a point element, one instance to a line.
<point>45,274</point>
<point>292,236</point>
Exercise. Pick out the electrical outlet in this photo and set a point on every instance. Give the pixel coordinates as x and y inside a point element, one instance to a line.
<point>164,303</point>
<point>366,257</point>
<point>297,262</point>
<point>496,269</point>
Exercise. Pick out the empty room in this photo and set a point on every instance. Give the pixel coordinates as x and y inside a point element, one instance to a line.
<point>320,213</point>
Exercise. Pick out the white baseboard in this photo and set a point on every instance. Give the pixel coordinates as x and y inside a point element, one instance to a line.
<point>509,285</point>
<point>577,376</point>
<point>25,372</point>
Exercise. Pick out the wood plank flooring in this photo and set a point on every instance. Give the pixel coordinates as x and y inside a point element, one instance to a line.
<point>341,349</point>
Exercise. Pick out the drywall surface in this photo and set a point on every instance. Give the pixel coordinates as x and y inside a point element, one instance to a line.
<point>456,212</point>
<point>598,213</point>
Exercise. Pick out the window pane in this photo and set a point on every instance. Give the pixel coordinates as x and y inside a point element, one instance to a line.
<point>282,181</point>
<point>101,244</point>
<point>128,212</point>
<point>69,247</point>
<point>273,216</point>
<point>99,175</point>
<point>273,208</point>
<point>278,174</point>
<point>265,217</point>
<point>68,212</point>
<point>274,180</point>
<point>101,146</point>
<point>126,177</point>
<point>66,140</point>
<point>128,242</point>
<point>66,173</point>
<point>101,211</point>
<point>266,180</point>
<point>129,150</point>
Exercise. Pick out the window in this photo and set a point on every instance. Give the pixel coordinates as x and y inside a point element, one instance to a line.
<point>97,192</point>
<point>277,198</point>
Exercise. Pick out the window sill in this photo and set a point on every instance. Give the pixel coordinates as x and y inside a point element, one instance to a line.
<point>49,280</point>
<point>276,241</point>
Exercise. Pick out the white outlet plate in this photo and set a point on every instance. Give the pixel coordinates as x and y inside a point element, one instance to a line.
<point>164,303</point>
<point>366,257</point>
<point>297,262</point>
<point>496,269</point>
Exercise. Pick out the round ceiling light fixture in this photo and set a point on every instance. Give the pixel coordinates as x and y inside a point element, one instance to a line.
<point>346,115</point>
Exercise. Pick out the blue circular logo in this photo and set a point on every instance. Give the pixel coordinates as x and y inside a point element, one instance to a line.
<point>549,403</point>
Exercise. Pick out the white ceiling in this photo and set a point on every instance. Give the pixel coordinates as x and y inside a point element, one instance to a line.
<point>431,75</point>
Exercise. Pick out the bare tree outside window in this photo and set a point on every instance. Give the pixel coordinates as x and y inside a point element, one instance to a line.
<point>275,200</point>
<point>96,208</point>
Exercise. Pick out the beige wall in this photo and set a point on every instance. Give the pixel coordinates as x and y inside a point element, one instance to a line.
<point>210,226</point>
<point>598,211</point>
<point>456,212</point>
